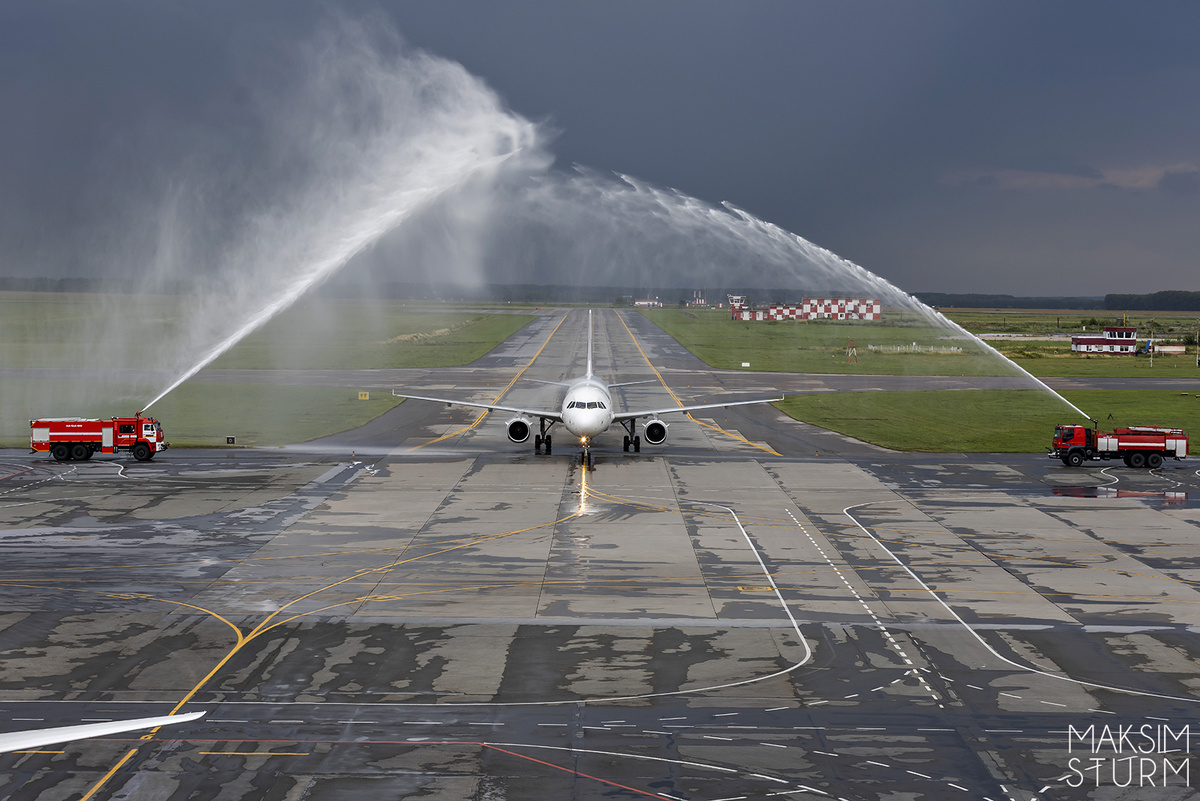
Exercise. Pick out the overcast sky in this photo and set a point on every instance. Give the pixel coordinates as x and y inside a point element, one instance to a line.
<point>1028,148</point>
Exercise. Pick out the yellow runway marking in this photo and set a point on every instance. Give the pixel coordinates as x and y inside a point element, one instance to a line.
<point>496,399</point>
<point>266,625</point>
<point>104,779</point>
<point>662,381</point>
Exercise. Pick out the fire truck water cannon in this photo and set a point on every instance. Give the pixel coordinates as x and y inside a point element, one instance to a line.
<point>77,438</point>
<point>1137,446</point>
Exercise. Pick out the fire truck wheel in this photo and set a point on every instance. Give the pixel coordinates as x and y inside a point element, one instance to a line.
<point>141,452</point>
<point>60,452</point>
<point>1137,460</point>
<point>1154,461</point>
<point>1074,459</point>
<point>79,451</point>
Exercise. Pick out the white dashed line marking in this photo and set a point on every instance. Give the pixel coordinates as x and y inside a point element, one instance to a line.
<point>862,602</point>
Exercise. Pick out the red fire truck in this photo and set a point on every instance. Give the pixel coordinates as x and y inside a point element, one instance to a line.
<point>1137,446</point>
<point>78,438</point>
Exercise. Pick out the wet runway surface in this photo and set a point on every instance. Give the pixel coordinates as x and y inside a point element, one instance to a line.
<point>446,615</point>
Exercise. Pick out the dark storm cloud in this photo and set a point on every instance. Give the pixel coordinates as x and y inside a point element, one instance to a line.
<point>960,146</point>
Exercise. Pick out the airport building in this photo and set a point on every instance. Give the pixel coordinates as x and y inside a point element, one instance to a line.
<point>1115,339</point>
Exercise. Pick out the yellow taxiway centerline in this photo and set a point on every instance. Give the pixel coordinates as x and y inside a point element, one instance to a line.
<point>675,397</point>
<point>496,399</point>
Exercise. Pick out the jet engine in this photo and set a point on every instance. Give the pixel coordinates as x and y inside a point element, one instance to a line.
<point>518,429</point>
<point>655,431</point>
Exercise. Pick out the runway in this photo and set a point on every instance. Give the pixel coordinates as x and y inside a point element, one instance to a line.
<point>759,609</point>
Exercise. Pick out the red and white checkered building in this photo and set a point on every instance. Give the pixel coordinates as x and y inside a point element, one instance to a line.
<point>815,309</point>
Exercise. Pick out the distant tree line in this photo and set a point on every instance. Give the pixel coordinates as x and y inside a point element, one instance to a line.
<point>19,284</point>
<point>973,301</point>
<point>1171,300</point>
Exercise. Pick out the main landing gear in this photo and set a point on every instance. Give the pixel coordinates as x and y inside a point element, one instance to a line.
<point>631,439</point>
<point>543,438</point>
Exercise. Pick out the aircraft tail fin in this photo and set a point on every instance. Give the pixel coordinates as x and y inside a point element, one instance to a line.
<point>589,364</point>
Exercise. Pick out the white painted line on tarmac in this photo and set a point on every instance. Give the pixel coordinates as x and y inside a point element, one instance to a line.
<point>984,642</point>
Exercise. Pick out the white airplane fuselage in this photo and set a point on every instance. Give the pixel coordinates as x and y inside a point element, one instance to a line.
<point>587,408</point>
<point>586,412</point>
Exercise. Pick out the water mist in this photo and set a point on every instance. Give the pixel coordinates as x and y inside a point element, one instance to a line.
<point>370,135</point>
<point>368,141</point>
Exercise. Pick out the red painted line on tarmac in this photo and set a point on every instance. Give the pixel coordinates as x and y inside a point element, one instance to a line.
<point>577,773</point>
<point>19,472</point>
<point>385,742</point>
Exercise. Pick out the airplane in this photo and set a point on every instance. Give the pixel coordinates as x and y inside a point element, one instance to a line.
<point>587,410</point>
<point>36,738</point>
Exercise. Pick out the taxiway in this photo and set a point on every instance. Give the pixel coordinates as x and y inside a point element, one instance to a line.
<point>760,609</point>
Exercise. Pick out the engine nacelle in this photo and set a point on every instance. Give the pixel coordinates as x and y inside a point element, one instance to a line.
<point>518,429</point>
<point>655,431</point>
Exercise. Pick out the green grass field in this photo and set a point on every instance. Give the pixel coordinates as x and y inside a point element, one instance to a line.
<point>1071,321</point>
<point>203,415</point>
<point>904,345</point>
<point>199,414</point>
<point>995,421</point>
<point>821,346</point>
<point>351,335</point>
<point>50,329</point>
<point>60,330</point>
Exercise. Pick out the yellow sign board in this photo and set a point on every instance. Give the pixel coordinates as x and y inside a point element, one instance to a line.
<point>364,396</point>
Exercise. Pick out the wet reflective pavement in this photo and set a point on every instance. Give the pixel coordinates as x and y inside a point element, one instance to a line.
<point>446,615</point>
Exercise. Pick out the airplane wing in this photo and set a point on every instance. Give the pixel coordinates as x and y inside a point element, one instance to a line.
<point>553,383</point>
<point>619,416</point>
<point>549,415</point>
<point>36,738</point>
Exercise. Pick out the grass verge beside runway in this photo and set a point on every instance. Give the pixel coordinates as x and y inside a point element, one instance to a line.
<point>65,330</point>
<point>342,334</point>
<point>202,415</point>
<point>979,421</point>
<point>199,414</point>
<point>902,345</point>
